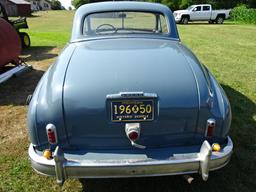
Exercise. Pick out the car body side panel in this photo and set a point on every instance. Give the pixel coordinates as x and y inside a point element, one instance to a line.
<point>214,103</point>
<point>221,108</point>
<point>46,104</point>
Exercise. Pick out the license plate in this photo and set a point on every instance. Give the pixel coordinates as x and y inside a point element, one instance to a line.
<point>132,110</point>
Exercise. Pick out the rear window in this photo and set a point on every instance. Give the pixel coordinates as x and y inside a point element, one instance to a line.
<point>125,22</point>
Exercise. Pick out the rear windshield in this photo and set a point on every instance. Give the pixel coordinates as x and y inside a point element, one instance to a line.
<point>125,22</point>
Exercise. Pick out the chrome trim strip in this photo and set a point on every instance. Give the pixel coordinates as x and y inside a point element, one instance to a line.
<point>139,94</point>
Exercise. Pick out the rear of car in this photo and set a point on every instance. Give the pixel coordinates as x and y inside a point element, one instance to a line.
<point>127,99</point>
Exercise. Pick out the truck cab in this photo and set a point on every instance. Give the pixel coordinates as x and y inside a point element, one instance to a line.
<point>201,12</point>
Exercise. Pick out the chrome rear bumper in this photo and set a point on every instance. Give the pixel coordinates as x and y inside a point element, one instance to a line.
<point>62,167</point>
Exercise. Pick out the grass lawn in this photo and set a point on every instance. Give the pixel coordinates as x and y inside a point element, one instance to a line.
<point>228,50</point>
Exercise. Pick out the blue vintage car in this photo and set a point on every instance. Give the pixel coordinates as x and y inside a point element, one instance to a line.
<point>126,98</point>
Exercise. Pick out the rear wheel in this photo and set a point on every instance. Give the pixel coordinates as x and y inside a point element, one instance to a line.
<point>184,20</point>
<point>25,40</point>
<point>219,20</point>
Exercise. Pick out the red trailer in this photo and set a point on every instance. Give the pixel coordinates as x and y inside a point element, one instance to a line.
<point>10,49</point>
<point>10,45</point>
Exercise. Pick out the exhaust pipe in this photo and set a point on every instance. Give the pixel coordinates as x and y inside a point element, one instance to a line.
<point>188,178</point>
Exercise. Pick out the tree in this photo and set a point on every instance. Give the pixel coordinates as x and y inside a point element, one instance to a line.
<point>252,3</point>
<point>78,3</point>
<point>217,4</point>
<point>181,4</point>
<point>56,5</point>
<point>173,4</point>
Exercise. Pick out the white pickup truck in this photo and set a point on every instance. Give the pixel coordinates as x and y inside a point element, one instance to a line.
<point>201,12</point>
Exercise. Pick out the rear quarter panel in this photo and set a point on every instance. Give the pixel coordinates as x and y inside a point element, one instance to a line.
<point>46,104</point>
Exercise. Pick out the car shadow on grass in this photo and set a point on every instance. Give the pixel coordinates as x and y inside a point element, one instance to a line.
<point>38,53</point>
<point>16,90</point>
<point>238,175</point>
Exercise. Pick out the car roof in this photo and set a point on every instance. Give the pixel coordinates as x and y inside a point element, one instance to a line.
<point>120,6</point>
<point>202,5</point>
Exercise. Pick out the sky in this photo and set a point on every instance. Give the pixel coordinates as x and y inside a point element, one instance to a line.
<point>65,3</point>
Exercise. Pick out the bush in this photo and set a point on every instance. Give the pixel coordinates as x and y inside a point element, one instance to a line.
<point>243,14</point>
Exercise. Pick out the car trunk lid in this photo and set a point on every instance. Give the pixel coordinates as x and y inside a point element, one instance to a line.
<point>102,68</point>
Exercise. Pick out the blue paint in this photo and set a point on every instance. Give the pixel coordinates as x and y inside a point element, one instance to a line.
<point>73,92</point>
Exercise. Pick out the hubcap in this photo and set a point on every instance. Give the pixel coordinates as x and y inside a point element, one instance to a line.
<point>26,40</point>
<point>220,20</point>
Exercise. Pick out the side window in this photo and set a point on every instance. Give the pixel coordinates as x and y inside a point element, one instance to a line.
<point>206,8</point>
<point>86,24</point>
<point>163,24</point>
<point>198,8</point>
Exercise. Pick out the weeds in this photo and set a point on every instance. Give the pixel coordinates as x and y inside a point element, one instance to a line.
<point>243,14</point>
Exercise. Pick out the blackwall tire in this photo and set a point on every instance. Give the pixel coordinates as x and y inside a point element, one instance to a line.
<point>184,20</point>
<point>25,40</point>
<point>219,20</point>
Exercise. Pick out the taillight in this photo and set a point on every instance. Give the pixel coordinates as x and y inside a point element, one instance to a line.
<point>51,134</point>
<point>211,124</point>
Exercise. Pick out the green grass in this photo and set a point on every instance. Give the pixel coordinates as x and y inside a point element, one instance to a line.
<point>54,29</point>
<point>229,52</point>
